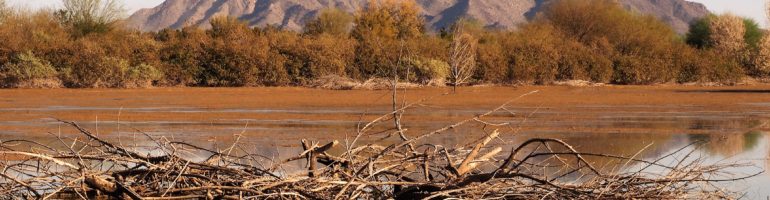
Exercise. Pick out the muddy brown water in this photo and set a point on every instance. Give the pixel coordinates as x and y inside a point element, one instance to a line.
<point>621,120</point>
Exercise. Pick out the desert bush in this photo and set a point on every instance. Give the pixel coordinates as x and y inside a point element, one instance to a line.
<point>105,60</point>
<point>97,71</point>
<point>692,66</point>
<point>701,30</point>
<point>4,11</point>
<point>630,69</point>
<point>376,57</point>
<point>699,33</point>
<point>593,40</point>
<point>240,56</point>
<point>428,46</point>
<point>38,32</point>
<point>141,76</point>
<point>230,29</point>
<point>757,56</point>
<point>27,71</point>
<point>385,31</point>
<point>182,56</point>
<point>761,57</point>
<point>389,19</point>
<point>91,16</point>
<point>638,46</point>
<point>727,34</point>
<point>312,57</point>
<point>753,34</point>
<point>586,20</point>
<point>112,72</point>
<point>228,66</point>
<point>535,54</point>
<point>580,62</point>
<point>331,21</point>
<point>707,66</point>
<point>648,48</point>
<point>427,71</point>
<point>492,60</point>
<point>327,55</point>
<point>723,70</point>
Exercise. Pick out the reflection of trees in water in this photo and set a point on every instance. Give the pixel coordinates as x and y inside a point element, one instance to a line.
<point>725,124</point>
<point>619,144</point>
<point>727,136</point>
<point>729,144</point>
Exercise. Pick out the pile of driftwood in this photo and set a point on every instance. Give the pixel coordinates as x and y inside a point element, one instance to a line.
<point>89,167</point>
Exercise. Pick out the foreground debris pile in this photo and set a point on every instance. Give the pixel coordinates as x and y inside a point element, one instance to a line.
<point>89,167</point>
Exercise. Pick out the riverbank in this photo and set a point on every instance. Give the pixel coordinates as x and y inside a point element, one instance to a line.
<point>282,97</point>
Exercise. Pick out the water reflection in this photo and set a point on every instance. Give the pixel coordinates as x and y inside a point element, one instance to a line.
<point>729,144</point>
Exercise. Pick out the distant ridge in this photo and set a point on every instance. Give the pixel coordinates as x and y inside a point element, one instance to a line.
<point>293,14</point>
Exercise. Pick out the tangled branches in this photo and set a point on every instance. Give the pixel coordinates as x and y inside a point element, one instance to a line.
<point>90,167</point>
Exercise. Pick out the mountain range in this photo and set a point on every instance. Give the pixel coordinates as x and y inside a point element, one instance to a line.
<point>293,14</point>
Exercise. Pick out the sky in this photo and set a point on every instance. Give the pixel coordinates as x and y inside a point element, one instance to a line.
<point>131,5</point>
<point>746,8</point>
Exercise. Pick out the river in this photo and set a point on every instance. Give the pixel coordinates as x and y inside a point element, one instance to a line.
<point>731,123</point>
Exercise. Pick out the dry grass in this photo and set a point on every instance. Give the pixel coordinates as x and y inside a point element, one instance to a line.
<point>49,83</point>
<point>333,82</point>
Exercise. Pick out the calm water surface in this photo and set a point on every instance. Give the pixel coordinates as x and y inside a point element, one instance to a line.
<point>735,134</point>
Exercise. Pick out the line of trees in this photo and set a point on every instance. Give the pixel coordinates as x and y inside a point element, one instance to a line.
<point>83,46</point>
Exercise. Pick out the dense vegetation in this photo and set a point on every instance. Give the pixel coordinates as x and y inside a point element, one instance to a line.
<point>593,40</point>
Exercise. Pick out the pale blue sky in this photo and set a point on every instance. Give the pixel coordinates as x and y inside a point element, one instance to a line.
<point>131,5</point>
<point>746,8</point>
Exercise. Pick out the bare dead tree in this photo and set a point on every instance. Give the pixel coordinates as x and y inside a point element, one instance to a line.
<point>462,58</point>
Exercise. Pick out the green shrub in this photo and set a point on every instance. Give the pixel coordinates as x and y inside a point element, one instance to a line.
<point>27,70</point>
<point>427,71</point>
<point>141,76</point>
<point>111,72</point>
<point>700,32</point>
